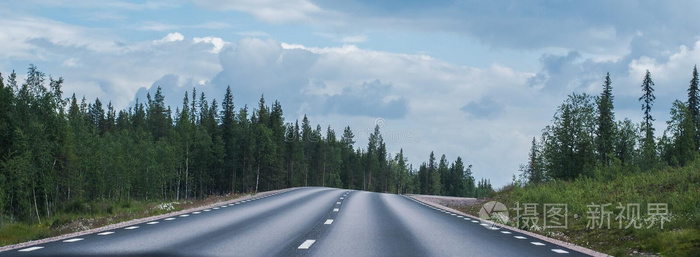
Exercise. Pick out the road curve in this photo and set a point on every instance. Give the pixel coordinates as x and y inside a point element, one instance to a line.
<point>306,222</point>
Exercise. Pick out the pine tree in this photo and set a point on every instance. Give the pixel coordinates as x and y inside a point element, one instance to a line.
<point>694,106</point>
<point>648,144</point>
<point>534,170</point>
<point>228,131</point>
<point>606,122</point>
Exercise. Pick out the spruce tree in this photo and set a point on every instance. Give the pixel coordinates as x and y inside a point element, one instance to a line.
<point>694,106</point>
<point>648,144</point>
<point>606,122</point>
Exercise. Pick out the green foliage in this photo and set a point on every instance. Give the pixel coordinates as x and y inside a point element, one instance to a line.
<point>618,183</point>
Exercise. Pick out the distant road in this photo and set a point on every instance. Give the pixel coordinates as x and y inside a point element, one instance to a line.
<point>306,222</point>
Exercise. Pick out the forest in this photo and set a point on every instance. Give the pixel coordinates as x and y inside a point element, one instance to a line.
<point>57,152</point>
<point>585,139</point>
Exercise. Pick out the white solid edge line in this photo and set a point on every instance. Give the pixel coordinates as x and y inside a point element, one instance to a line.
<point>72,240</point>
<point>31,249</point>
<point>537,243</point>
<point>328,222</point>
<point>559,251</point>
<point>306,244</point>
<point>105,233</point>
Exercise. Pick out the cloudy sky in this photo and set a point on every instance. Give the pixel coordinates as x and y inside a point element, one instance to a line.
<point>476,79</point>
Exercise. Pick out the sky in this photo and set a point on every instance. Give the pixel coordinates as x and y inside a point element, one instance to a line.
<point>470,78</point>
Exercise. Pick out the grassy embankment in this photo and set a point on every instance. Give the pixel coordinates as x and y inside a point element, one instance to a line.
<point>678,187</point>
<point>79,216</point>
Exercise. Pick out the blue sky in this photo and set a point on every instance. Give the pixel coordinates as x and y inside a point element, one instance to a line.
<point>476,79</point>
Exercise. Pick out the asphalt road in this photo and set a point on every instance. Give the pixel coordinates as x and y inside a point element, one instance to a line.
<point>307,222</point>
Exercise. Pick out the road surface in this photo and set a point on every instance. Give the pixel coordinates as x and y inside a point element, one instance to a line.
<point>306,222</point>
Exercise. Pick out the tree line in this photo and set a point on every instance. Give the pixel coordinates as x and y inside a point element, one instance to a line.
<point>57,152</point>
<point>585,139</point>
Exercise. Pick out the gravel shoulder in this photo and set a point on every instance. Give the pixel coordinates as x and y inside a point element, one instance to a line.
<point>443,201</point>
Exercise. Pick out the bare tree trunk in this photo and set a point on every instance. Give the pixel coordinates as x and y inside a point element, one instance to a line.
<point>36,208</point>
<point>46,201</point>
<point>233,180</point>
<point>187,170</point>
<point>257,179</point>
<point>323,176</point>
<point>179,171</point>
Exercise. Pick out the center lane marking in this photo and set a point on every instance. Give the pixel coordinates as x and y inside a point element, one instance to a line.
<point>306,244</point>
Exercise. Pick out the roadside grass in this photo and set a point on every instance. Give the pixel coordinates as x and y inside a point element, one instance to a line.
<point>80,216</point>
<point>678,187</point>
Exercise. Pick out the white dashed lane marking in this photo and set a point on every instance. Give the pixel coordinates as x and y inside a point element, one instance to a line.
<point>170,219</point>
<point>460,216</point>
<point>336,209</point>
<point>505,232</point>
<point>31,249</point>
<point>306,244</point>
<point>337,202</point>
<point>215,208</point>
<point>537,243</point>
<point>207,210</point>
<point>105,233</point>
<point>559,251</point>
<point>196,212</point>
<point>475,221</point>
<point>132,227</point>
<point>152,222</point>
<point>520,237</point>
<point>328,222</point>
<point>184,215</point>
<point>467,219</point>
<point>73,240</point>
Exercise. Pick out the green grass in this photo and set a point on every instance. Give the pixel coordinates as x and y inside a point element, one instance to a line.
<point>78,216</point>
<point>678,187</point>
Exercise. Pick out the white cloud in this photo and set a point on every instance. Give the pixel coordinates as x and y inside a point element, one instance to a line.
<point>272,11</point>
<point>218,43</point>
<point>171,37</point>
